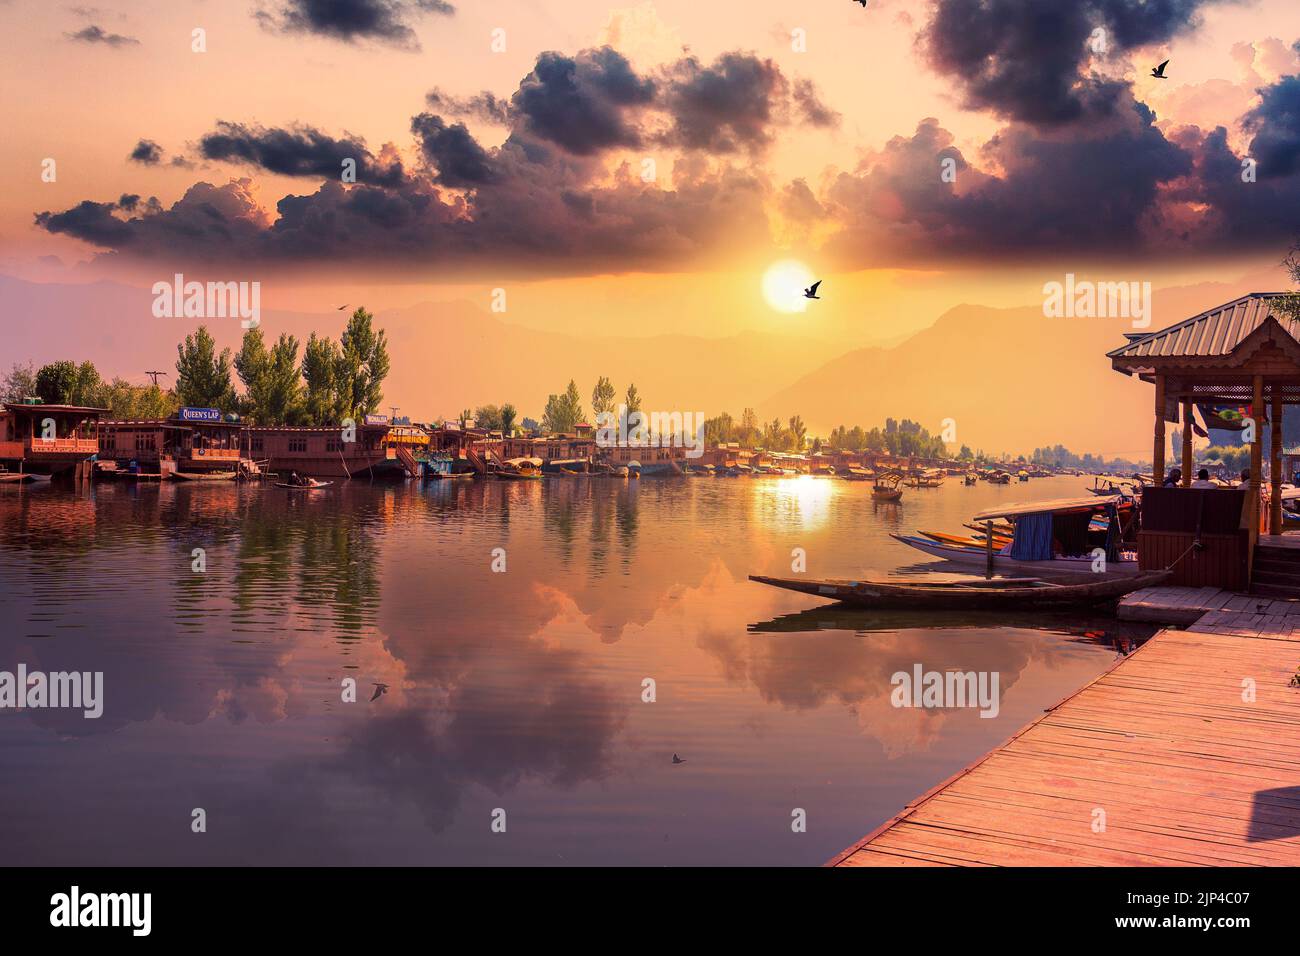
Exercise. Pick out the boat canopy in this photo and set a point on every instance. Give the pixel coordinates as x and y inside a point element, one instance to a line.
<point>518,462</point>
<point>1055,505</point>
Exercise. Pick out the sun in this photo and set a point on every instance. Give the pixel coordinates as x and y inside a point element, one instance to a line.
<point>783,285</point>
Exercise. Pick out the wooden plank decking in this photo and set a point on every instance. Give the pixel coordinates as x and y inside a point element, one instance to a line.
<point>1186,605</point>
<point>1185,771</point>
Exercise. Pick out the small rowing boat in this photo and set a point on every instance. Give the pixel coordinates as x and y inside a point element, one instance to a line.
<point>314,486</point>
<point>998,593</point>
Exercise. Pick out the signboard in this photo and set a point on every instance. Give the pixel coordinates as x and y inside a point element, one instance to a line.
<point>376,420</point>
<point>199,415</point>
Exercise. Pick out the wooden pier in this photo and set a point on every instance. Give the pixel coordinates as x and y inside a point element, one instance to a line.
<point>1161,761</point>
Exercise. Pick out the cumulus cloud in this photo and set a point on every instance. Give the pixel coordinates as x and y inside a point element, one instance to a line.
<point>147,153</point>
<point>1027,59</point>
<point>300,151</point>
<point>385,21</point>
<point>582,103</point>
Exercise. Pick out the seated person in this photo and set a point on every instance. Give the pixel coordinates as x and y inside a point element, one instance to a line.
<point>1203,479</point>
<point>1175,478</point>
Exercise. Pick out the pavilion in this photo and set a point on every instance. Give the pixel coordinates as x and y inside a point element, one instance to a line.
<point>1244,353</point>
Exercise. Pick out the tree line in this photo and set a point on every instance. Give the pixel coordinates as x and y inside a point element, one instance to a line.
<point>334,380</point>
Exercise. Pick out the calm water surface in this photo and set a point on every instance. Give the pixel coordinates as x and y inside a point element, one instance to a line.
<point>519,690</point>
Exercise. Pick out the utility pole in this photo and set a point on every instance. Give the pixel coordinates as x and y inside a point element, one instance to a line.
<point>154,376</point>
<point>393,409</point>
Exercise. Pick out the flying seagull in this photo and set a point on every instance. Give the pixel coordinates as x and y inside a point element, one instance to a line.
<point>677,759</point>
<point>1159,72</point>
<point>379,689</point>
<point>811,291</point>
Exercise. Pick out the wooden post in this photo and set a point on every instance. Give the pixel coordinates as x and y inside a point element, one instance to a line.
<point>988,548</point>
<point>1256,466</point>
<point>1275,464</point>
<point>1158,452</point>
<point>1187,442</point>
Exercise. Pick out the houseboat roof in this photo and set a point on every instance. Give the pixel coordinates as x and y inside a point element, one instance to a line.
<point>65,409</point>
<point>1062,505</point>
<point>164,423</point>
<point>308,428</point>
<point>1216,331</point>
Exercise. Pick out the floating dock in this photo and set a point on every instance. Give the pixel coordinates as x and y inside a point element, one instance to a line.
<point>1161,761</point>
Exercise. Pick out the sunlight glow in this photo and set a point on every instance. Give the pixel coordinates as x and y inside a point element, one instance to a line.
<point>783,285</point>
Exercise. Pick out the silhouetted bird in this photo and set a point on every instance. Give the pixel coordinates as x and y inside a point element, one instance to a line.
<point>1159,72</point>
<point>379,689</point>
<point>677,759</point>
<point>811,291</point>
<point>863,2</point>
<point>342,307</point>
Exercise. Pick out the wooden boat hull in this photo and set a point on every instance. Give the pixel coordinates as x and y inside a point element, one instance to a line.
<point>978,557</point>
<point>316,487</point>
<point>983,595</point>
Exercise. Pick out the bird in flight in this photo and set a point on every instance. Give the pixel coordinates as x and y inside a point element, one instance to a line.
<point>811,291</point>
<point>863,2</point>
<point>342,307</point>
<point>677,759</point>
<point>379,689</point>
<point>1159,72</point>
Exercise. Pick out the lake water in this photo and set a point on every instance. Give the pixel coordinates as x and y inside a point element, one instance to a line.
<point>519,691</point>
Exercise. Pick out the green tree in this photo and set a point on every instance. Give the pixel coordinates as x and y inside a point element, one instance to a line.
<point>563,412</point>
<point>632,399</point>
<point>20,383</point>
<point>508,416</point>
<point>56,382</point>
<point>602,396</point>
<point>489,417</point>
<point>319,361</point>
<point>361,366</point>
<point>203,375</point>
<point>798,431</point>
<point>272,380</point>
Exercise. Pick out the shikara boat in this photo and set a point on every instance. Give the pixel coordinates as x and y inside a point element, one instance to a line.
<point>1057,535</point>
<point>521,469</point>
<point>886,487</point>
<point>314,486</point>
<point>997,593</point>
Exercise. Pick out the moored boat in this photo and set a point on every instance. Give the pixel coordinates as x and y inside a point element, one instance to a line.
<point>997,593</point>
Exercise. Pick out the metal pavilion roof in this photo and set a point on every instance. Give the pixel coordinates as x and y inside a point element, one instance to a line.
<point>1216,331</point>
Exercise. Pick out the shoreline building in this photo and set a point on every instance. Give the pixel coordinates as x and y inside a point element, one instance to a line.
<point>321,450</point>
<point>1235,362</point>
<point>193,441</point>
<point>42,439</point>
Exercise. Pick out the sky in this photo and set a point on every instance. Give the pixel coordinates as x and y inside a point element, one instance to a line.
<point>645,165</point>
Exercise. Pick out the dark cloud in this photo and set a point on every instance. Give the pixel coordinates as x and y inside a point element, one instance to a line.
<point>146,152</point>
<point>1275,124</point>
<point>735,103</point>
<point>1025,59</point>
<point>96,34</point>
<point>583,103</point>
<point>387,21</point>
<point>301,151</point>
<point>485,106</point>
<point>1095,189</point>
<point>455,155</point>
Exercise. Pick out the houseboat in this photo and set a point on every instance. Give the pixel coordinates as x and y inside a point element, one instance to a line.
<point>648,460</point>
<point>193,443</point>
<point>1061,535</point>
<point>48,439</point>
<point>322,450</point>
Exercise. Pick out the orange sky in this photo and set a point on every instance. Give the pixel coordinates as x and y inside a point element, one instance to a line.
<point>686,253</point>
